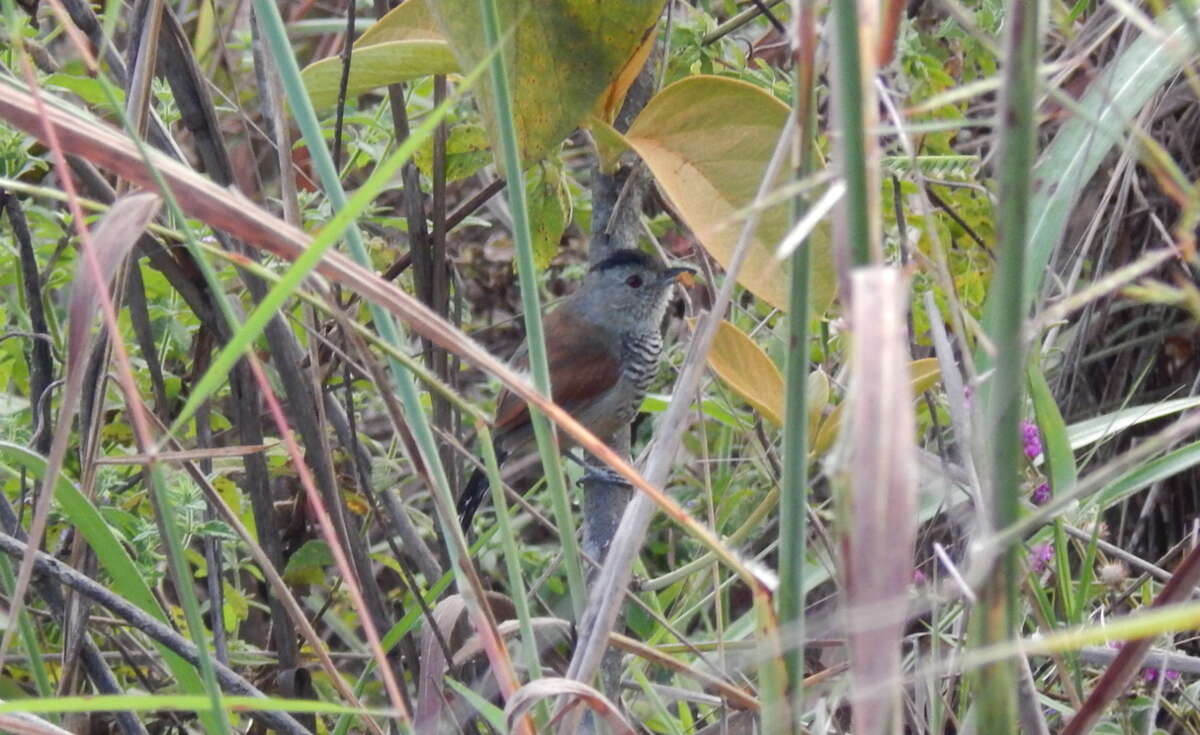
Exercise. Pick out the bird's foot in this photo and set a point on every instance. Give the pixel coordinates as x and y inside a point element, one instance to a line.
<point>604,475</point>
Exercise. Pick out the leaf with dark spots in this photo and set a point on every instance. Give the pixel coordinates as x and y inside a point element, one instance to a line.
<point>563,59</point>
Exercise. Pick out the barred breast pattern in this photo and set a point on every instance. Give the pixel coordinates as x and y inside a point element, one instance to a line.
<point>641,360</point>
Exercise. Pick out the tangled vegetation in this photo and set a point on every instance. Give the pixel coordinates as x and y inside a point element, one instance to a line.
<point>920,453</point>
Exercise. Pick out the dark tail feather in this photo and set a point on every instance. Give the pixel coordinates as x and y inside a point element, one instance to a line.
<point>473,494</point>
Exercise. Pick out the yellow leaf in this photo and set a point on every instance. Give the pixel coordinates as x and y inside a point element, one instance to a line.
<point>708,140</point>
<point>202,41</point>
<point>818,398</point>
<point>747,370</point>
<point>357,504</point>
<point>612,99</point>
<point>924,374</point>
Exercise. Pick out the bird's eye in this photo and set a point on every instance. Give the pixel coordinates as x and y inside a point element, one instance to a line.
<point>634,281</point>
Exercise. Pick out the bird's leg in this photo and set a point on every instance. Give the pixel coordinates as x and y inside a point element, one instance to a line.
<point>574,457</point>
<point>605,494</point>
<point>594,470</point>
<point>602,473</point>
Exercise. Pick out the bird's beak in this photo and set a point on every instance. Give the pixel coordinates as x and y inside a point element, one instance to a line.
<point>680,275</point>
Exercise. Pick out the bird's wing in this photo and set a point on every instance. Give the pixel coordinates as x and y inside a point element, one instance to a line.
<point>581,369</point>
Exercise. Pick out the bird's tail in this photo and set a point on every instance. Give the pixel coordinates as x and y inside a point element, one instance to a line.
<point>473,494</point>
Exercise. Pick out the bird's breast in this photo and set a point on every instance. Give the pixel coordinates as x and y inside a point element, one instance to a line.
<point>640,360</point>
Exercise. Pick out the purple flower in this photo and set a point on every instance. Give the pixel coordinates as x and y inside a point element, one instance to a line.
<point>1040,494</point>
<point>1150,674</point>
<point>1031,438</point>
<point>1040,556</point>
<point>918,577</point>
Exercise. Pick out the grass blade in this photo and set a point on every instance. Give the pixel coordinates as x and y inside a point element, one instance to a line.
<point>996,617</point>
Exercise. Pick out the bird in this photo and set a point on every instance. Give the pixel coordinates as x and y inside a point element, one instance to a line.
<point>603,344</point>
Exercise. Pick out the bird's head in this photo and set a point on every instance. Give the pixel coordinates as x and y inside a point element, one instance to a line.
<point>629,289</point>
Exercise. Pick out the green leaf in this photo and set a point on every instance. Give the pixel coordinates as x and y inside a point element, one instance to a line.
<point>377,66</point>
<point>307,565</point>
<point>560,56</point>
<point>236,608</point>
<point>657,403</point>
<point>86,88</point>
<point>942,167</point>
<point>549,209</point>
<point>610,144</point>
<point>409,21</point>
<point>467,151</point>
<point>1056,448</point>
<point>493,714</point>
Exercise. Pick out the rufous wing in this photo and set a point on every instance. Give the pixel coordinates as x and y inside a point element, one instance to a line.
<point>582,368</point>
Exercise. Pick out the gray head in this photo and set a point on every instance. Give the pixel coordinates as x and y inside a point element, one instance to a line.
<point>628,290</point>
